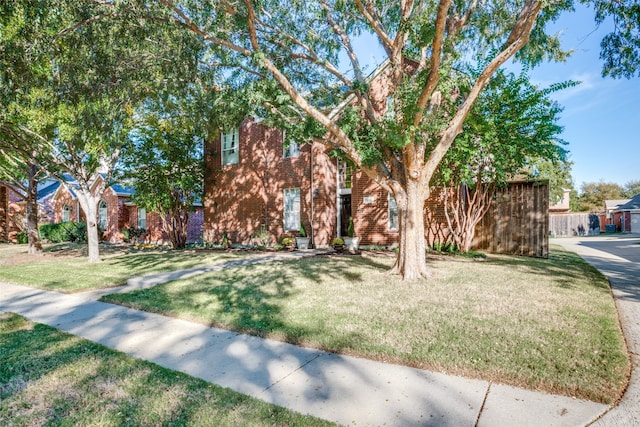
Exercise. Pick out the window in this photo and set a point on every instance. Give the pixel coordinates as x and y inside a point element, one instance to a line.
<point>292,209</point>
<point>390,106</point>
<point>66,213</point>
<point>102,215</point>
<point>230,147</point>
<point>344,174</point>
<point>290,148</point>
<point>142,218</point>
<point>392,212</point>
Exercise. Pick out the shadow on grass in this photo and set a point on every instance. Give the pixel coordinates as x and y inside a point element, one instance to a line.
<point>250,299</point>
<point>566,267</point>
<point>86,382</point>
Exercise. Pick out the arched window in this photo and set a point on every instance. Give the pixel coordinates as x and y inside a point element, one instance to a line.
<point>102,215</point>
<point>66,213</point>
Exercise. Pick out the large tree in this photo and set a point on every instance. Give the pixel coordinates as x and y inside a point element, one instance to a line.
<point>70,83</point>
<point>620,49</point>
<point>593,195</point>
<point>297,44</point>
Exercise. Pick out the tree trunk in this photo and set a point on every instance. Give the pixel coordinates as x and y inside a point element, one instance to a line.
<point>89,205</point>
<point>411,262</point>
<point>35,245</point>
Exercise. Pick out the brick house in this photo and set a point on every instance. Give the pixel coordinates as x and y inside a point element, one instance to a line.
<point>629,215</point>
<point>13,209</point>
<point>256,178</point>
<point>116,211</point>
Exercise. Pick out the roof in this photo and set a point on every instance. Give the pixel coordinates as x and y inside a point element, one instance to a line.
<point>632,204</point>
<point>614,204</point>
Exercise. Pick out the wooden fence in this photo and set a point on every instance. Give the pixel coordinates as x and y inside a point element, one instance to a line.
<point>574,224</point>
<point>517,222</point>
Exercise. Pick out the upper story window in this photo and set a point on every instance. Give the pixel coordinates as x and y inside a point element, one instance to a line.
<point>102,215</point>
<point>142,218</point>
<point>230,153</point>
<point>66,213</point>
<point>390,106</point>
<point>290,148</point>
<point>292,209</point>
<point>392,212</point>
<point>344,174</point>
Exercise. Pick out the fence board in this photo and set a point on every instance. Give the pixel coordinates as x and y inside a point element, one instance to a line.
<point>517,222</point>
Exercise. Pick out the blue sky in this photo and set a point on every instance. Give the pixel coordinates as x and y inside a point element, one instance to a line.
<point>601,116</point>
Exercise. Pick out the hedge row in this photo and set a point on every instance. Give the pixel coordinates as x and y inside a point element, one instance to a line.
<point>64,232</point>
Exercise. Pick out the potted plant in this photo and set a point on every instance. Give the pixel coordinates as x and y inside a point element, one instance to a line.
<point>338,244</point>
<point>352,242</point>
<point>287,242</point>
<point>302,241</point>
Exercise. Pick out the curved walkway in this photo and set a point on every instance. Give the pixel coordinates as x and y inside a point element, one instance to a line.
<point>618,257</point>
<point>343,389</point>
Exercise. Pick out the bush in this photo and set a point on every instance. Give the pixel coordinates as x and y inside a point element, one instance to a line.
<point>131,234</point>
<point>22,238</point>
<point>64,232</point>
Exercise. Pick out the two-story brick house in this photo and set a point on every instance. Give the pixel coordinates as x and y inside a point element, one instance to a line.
<point>257,178</point>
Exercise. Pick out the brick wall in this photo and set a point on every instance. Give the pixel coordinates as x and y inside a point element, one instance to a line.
<point>241,198</point>
<point>62,198</point>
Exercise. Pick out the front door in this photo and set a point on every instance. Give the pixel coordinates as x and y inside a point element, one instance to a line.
<point>345,213</point>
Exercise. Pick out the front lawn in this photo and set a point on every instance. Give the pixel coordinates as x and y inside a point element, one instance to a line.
<point>48,377</point>
<point>544,324</point>
<point>64,267</point>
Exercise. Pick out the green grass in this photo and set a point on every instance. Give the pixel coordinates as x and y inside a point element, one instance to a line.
<point>544,324</point>
<point>48,377</point>
<point>64,267</point>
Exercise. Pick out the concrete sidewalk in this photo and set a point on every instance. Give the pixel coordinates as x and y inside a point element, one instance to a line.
<point>618,257</point>
<point>343,389</point>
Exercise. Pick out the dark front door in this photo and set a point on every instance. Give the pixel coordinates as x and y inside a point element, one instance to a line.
<point>345,213</point>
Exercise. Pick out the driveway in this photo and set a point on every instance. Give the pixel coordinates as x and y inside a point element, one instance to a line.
<point>618,257</point>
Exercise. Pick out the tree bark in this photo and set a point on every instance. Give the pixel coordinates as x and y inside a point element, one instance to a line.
<point>89,205</point>
<point>411,262</point>
<point>33,236</point>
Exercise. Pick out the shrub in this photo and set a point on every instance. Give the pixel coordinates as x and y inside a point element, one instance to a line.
<point>64,232</point>
<point>22,237</point>
<point>131,234</point>
<point>287,241</point>
<point>351,231</point>
<point>338,241</point>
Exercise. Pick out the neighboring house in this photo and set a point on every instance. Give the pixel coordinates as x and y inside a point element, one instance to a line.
<point>116,211</point>
<point>629,214</point>
<point>612,214</point>
<point>563,206</point>
<point>13,209</point>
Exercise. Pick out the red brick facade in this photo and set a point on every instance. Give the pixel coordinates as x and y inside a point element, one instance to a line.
<point>122,213</point>
<point>242,198</point>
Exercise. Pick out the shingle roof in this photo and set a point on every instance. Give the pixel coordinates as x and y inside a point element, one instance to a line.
<point>614,204</point>
<point>632,204</point>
